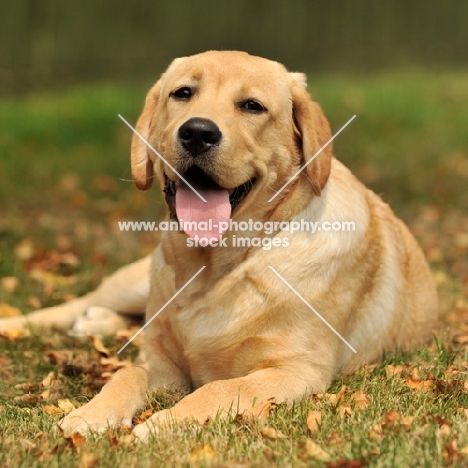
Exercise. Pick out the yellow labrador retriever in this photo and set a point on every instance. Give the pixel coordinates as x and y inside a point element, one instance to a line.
<point>271,312</point>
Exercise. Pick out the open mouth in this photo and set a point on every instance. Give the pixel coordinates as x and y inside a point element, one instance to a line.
<point>217,207</point>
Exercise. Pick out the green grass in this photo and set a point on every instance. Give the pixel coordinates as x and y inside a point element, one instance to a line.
<point>64,158</point>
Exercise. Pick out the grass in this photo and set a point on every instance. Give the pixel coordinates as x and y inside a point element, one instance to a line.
<point>64,157</point>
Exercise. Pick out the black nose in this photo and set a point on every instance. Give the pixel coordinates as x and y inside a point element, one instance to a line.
<point>199,135</point>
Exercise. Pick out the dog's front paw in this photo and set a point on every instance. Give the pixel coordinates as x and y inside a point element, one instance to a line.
<point>12,325</point>
<point>92,417</point>
<point>156,425</point>
<point>98,321</point>
<point>142,433</point>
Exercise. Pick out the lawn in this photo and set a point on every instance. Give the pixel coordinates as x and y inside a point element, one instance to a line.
<point>64,160</point>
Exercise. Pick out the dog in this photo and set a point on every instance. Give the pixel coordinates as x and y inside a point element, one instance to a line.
<point>279,315</point>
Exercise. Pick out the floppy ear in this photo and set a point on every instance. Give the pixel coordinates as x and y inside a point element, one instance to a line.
<point>142,163</point>
<point>314,131</point>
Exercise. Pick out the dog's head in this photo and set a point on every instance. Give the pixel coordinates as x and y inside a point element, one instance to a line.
<point>235,128</point>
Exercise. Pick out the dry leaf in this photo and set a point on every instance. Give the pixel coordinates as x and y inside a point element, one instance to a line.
<point>202,453</point>
<point>15,335</point>
<point>361,400</point>
<point>314,450</point>
<point>45,395</point>
<point>9,311</point>
<point>127,334</point>
<point>344,411</point>
<point>99,347</point>
<point>418,384</point>
<point>77,441</point>
<point>394,370</point>
<point>88,460</point>
<point>45,383</point>
<point>261,411</point>
<point>376,432</point>
<point>24,250</point>
<point>34,302</point>
<point>66,405</point>
<point>113,440</point>
<point>9,283</point>
<point>314,419</point>
<point>144,416</point>
<point>407,421</point>
<point>271,433</point>
<point>391,417</point>
<point>329,397</point>
<point>53,410</point>
<point>113,363</point>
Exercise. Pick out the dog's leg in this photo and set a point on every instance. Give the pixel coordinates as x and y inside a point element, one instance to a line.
<point>234,396</point>
<point>122,294</point>
<point>115,405</point>
<point>120,398</point>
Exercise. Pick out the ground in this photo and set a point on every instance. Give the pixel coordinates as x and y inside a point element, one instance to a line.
<point>66,183</point>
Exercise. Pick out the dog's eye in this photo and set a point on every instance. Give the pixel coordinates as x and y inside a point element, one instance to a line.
<point>183,93</point>
<point>253,106</point>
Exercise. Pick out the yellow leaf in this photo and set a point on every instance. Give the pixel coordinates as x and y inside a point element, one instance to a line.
<point>47,380</point>
<point>393,370</point>
<point>10,283</point>
<point>66,405</point>
<point>406,421</point>
<point>361,400</point>
<point>314,450</point>
<point>271,433</point>
<point>261,411</point>
<point>52,410</point>
<point>418,384</point>
<point>8,310</point>
<point>203,452</point>
<point>99,346</point>
<point>314,419</point>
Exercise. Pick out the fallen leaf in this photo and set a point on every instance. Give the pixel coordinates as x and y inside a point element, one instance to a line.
<point>344,411</point>
<point>113,363</point>
<point>202,453</point>
<point>9,283</point>
<point>418,384</point>
<point>113,440</point>
<point>271,433</point>
<point>66,405</point>
<point>77,441</point>
<point>53,410</point>
<point>9,311</point>
<point>376,432</point>
<point>260,411</point>
<point>461,339</point>
<point>144,416</point>
<point>334,440</point>
<point>45,383</point>
<point>391,417</point>
<point>99,346</point>
<point>34,302</point>
<point>314,419</point>
<point>88,460</point>
<point>394,370</point>
<point>15,335</point>
<point>360,399</point>
<point>24,250</point>
<point>314,450</point>
<point>406,422</point>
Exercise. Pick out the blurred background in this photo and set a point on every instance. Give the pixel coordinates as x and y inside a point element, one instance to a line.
<point>67,69</point>
<point>49,42</point>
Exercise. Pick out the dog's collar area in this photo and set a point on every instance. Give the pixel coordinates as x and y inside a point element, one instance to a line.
<point>198,179</point>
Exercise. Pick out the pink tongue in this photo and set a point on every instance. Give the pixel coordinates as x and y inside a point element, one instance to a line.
<point>208,219</point>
